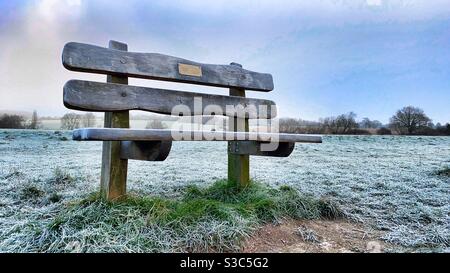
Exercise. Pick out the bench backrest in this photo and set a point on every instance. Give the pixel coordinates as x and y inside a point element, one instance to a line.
<point>111,97</point>
<point>95,59</point>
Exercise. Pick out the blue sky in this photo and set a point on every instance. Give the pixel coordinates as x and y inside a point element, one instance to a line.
<point>327,57</point>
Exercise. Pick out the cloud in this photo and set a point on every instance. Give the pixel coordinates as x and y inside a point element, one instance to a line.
<point>314,49</point>
<point>374,2</point>
<point>53,9</point>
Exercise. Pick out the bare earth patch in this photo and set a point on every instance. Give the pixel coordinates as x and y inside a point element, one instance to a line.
<point>315,236</point>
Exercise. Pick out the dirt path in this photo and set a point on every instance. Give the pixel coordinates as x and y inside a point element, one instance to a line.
<point>315,236</point>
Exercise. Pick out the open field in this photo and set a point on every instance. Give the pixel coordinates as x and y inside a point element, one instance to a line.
<point>397,185</point>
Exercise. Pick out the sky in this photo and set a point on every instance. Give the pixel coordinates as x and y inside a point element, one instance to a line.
<point>327,57</point>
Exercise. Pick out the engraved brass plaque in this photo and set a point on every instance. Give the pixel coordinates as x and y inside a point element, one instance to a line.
<point>190,70</point>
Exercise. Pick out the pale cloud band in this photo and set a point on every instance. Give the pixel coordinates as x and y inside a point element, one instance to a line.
<point>318,51</point>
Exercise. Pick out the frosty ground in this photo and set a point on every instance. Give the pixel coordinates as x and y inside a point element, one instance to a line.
<point>390,183</point>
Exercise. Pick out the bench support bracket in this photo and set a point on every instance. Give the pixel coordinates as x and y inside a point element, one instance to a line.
<point>251,147</point>
<point>145,150</point>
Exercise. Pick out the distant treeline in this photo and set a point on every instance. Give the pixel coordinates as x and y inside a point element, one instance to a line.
<point>409,120</point>
<point>19,122</point>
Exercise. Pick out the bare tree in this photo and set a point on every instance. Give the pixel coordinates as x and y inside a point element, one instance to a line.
<point>288,125</point>
<point>443,129</point>
<point>298,126</point>
<point>366,123</point>
<point>409,119</point>
<point>70,121</point>
<point>34,123</point>
<point>341,124</point>
<point>11,121</point>
<point>88,120</point>
<point>155,124</point>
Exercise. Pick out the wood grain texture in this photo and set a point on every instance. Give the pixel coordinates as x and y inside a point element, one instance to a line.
<point>94,59</point>
<point>145,150</point>
<point>105,97</point>
<point>100,134</point>
<point>113,180</point>
<point>284,149</point>
<point>238,164</point>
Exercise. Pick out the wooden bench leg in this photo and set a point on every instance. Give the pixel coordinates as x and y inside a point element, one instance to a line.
<point>114,169</point>
<point>239,170</point>
<point>238,165</point>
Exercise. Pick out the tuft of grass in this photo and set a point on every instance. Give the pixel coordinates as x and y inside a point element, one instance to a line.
<point>31,192</point>
<point>265,203</point>
<point>214,218</point>
<point>62,177</point>
<point>444,172</point>
<point>55,197</point>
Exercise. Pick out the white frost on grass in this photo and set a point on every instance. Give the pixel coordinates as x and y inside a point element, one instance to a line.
<point>389,182</point>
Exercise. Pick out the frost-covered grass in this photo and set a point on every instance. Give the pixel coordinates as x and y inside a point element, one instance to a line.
<point>215,218</point>
<point>396,184</point>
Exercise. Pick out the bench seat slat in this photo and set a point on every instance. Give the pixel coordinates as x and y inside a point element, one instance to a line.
<point>114,134</point>
<point>110,97</point>
<point>94,59</point>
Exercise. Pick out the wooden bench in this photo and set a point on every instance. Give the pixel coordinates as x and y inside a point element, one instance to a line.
<point>116,98</point>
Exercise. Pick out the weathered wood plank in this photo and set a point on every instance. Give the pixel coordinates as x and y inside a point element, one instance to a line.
<point>145,150</point>
<point>238,164</point>
<point>95,59</point>
<point>95,96</point>
<point>113,183</point>
<point>284,149</point>
<point>115,134</point>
